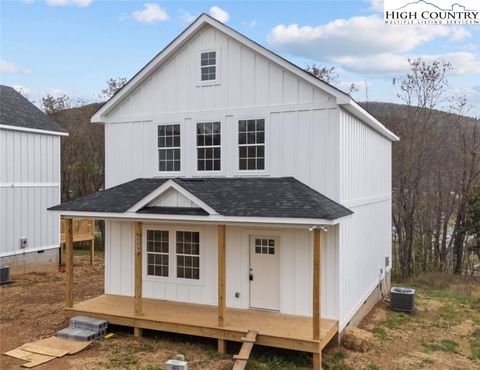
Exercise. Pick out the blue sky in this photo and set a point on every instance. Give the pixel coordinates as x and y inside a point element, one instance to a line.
<point>73,46</point>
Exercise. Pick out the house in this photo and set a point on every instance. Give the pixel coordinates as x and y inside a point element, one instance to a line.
<point>242,194</point>
<point>29,184</point>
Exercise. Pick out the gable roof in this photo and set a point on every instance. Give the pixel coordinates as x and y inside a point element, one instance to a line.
<point>17,112</point>
<point>342,99</point>
<point>264,197</point>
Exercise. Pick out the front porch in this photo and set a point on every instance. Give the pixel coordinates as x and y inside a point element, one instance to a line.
<point>274,329</point>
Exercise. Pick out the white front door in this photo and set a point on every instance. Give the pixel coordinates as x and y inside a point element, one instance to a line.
<point>264,273</point>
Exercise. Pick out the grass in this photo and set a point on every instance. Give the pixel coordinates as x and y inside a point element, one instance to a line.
<point>475,344</point>
<point>444,345</point>
<point>336,362</point>
<point>380,333</point>
<point>448,315</point>
<point>275,359</point>
<point>397,319</point>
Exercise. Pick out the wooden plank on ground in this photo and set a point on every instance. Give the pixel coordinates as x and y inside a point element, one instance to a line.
<point>244,354</point>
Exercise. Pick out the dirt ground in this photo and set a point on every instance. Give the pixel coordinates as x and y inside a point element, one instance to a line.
<point>443,334</point>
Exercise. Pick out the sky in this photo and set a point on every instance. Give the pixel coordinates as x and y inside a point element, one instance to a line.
<point>73,47</point>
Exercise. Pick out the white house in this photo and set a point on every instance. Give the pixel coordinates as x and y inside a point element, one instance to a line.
<point>242,194</point>
<point>29,184</point>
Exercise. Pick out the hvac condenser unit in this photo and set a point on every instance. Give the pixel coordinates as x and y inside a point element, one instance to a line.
<point>402,300</point>
<point>4,274</point>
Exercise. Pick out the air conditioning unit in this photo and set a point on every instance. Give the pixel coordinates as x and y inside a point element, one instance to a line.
<point>402,300</point>
<point>4,274</point>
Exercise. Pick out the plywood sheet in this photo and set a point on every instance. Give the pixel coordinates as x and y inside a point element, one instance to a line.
<point>44,350</point>
<point>70,346</point>
<point>33,359</point>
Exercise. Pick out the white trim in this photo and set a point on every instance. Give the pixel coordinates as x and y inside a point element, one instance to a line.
<point>207,114</point>
<point>170,184</point>
<point>149,69</point>
<point>213,218</point>
<point>29,184</point>
<point>30,250</point>
<point>353,203</point>
<point>33,130</point>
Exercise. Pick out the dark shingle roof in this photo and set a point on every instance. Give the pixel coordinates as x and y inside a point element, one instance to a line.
<point>16,110</point>
<point>242,197</point>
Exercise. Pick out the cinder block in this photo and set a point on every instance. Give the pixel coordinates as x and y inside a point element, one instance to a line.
<point>89,323</point>
<point>78,334</point>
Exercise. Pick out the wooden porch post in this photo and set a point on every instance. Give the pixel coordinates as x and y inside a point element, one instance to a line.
<point>316,307</point>
<point>69,263</point>
<point>138,274</point>
<point>221,282</point>
<point>92,246</point>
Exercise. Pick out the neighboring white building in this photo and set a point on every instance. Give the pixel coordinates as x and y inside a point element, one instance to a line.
<point>29,184</point>
<point>218,133</point>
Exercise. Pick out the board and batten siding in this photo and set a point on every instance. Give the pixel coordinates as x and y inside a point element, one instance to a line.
<point>295,267</point>
<point>29,184</point>
<point>303,144</point>
<point>365,237</point>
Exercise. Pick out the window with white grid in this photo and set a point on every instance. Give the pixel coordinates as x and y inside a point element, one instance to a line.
<point>208,146</point>
<point>264,246</point>
<point>208,62</point>
<point>169,147</point>
<point>157,253</point>
<point>251,142</point>
<point>188,254</point>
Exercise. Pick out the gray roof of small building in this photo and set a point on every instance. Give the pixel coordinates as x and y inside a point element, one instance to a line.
<point>236,197</point>
<point>17,111</point>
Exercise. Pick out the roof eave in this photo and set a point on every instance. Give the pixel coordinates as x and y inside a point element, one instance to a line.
<point>33,130</point>
<point>194,218</point>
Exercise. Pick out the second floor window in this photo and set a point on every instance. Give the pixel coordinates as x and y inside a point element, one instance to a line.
<point>251,144</point>
<point>208,146</point>
<point>208,62</point>
<point>169,148</point>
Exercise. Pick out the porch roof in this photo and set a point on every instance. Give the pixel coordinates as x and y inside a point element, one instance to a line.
<point>259,197</point>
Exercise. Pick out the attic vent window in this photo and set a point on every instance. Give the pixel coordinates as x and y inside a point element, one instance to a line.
<point>208,62</point>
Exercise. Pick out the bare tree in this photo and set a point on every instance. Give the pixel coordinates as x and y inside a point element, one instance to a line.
<point>113,85</point>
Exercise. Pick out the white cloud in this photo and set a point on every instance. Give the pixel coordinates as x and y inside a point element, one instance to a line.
<point>365,44</point>
<point>187,17</point>
<point>376,6</point>
<point>9,67</point>
<point>459,33</point>
<point>79,3</point>
<point>354,36</point>
<point>25,91</point>
<point>150,14</point>
<point>219,14</point>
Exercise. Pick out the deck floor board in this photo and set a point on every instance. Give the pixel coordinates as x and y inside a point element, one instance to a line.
<point>274,329</point>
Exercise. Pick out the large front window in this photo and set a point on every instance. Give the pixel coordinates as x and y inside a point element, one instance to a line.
<point>172,253</point>
<point>169,148</point>
<point>208,146</point>
<point>251,144</point>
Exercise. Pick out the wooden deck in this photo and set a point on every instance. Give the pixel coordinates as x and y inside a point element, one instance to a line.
<point>274,329</point>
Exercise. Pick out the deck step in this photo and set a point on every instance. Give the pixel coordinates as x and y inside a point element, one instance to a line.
<point>80,334</point>
<point>88,323</point>
<point>244,354</point>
